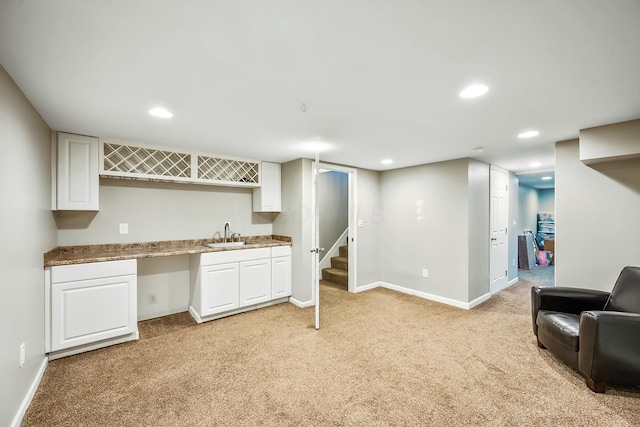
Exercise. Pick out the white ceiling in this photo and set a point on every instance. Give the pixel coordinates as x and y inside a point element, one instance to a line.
<point>379,79</point>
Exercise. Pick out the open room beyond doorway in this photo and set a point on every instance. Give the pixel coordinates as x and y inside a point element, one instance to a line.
<point>536,226</point>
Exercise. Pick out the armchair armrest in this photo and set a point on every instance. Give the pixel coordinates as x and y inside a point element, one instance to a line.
<point>609,348</point>
<point>565,300</point>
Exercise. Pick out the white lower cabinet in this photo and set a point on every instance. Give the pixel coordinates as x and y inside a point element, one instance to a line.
<point>255,281</point>
<point>280,272</point>
<point>219,286</point>
<point>90,304</point>
<point>229,282</point>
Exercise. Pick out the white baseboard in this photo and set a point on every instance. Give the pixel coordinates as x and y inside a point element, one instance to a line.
<point>367,287</point>
<point>509,283</point>
<point>300,304</point>
<point>162,313</point>
<point>476,302</point>
<point>17,420</point>
<point>436,298</point>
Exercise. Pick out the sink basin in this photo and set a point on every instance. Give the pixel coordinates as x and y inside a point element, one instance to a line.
<point>225,244</point>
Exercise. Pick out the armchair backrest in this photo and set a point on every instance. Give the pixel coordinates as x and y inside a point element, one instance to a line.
<point>625,295</point>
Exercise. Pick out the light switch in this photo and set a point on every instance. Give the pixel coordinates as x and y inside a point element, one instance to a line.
<point>360,223</point>
<point>124,228</point>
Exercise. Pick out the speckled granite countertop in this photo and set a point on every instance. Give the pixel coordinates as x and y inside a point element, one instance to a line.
<point>66,255</point>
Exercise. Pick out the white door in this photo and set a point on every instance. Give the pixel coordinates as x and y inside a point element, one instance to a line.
<point>87,311</point>
<point>220,288</point>
<point>255,281</point>
<point>316,250</point>
<point>281,276</point>
<point>78,174</point>
<point>499,217</point>
<point>315,241</point>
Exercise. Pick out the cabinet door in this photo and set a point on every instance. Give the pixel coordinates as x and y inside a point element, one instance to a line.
<point>255,281</point>
<point>220,288</point>
<point>280,277</point>
<point>77,172</point>
<point>268,197</point>
<point>87,311</point>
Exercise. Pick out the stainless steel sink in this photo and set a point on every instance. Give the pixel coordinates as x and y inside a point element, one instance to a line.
<point>224,244</point>
<point>230,244</point>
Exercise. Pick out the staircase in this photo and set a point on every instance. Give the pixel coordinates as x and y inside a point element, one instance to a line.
<point>339,271</point>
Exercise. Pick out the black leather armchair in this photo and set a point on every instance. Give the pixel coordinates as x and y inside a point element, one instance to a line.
<point>595,332</point>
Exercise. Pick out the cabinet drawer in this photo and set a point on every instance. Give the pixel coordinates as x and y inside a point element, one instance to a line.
<point>280,251</point>
<point>209,258</point>
<point>94,270</point>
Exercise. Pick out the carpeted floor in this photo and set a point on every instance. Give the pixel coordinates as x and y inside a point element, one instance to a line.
<point>541,276</point>
<point>381,358</point>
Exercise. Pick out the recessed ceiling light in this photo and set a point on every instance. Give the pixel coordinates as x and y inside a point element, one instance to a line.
<point>528,134</point>
<point>386,161</point>
<point>161,112</point>
<point>535,164</point>
<point>477,150</point>
<point>546,178</point>
<point>474,91</point>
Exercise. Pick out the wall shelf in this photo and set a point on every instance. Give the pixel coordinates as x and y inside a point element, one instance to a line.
<point>149,163</point>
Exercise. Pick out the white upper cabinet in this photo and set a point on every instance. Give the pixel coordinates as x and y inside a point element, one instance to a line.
<point>267,198</point>
<point>76,179</point>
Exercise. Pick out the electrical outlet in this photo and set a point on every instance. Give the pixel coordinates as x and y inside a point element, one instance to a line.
<point>425,272</point>
<point>153,298</point>
<point>124,228</point>
<point>23,353</point>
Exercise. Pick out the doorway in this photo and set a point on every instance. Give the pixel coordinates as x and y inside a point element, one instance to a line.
<point>333,217</point>
<point>318,251</point>
<point>536,220</point>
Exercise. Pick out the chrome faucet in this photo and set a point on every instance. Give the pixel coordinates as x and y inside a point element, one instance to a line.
<point>226,231</point>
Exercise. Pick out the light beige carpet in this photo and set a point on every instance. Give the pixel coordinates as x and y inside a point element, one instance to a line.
<point>380,358</point>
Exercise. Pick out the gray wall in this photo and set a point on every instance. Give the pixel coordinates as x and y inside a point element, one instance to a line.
<point>528,208</point>
<point>371,212</point>
<point>547,200</point>
<point>296,221</point>
<point>426,225</point>
<point>28,230</point>
<point>610,142</point>
<point>479,229</point>
<point>333,205</point>
<point>161,211</point>
<point>596,218</point>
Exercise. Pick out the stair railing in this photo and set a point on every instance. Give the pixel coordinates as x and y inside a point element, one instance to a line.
<point>325,262</point>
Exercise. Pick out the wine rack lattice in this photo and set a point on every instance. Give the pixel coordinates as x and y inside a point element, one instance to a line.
<point>228,170</point>
<point>146,161</point>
